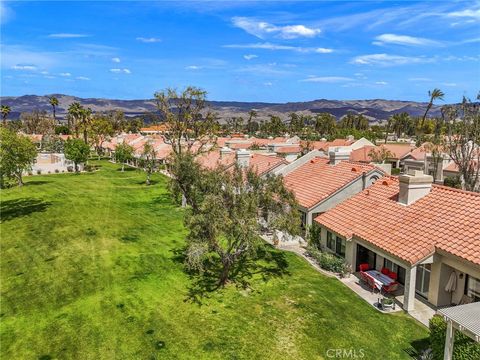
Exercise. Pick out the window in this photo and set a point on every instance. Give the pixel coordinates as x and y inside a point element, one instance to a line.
<point>472,288</point>
<point>330,243</point>
<point>340,247</point>
<point>390,265</point>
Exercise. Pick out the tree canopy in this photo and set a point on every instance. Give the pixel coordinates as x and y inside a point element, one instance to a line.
<point>77,151</point>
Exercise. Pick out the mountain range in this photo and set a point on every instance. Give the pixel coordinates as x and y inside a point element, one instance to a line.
<point>375,110</point>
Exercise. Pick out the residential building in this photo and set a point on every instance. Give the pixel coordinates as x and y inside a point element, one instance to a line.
<point>424,233</point>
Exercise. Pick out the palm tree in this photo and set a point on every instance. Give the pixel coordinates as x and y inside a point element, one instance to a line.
<point>435,94</point>
<point>85,120</point>
<point>5,111</point>
<point>54,102</point>
<point>251,114</point>
<point>74,113</point>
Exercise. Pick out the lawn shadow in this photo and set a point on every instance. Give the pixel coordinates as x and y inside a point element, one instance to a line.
<point>163,199</point>
<point>267,263</point>
<point>127,168</point>
<point>144,182</point>
<point>36,182</point>
<point>417,347</point>
<point>12,209</point>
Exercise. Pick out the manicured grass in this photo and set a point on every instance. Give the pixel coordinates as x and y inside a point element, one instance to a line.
<point>91,268</point>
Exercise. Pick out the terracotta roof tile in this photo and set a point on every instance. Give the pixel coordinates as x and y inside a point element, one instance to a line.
<point>443,219</point>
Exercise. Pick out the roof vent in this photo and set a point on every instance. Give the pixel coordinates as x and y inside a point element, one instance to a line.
<point>413,187</point>
<point>225,151</point>
<point>338,155</point>
<point>243,158</point>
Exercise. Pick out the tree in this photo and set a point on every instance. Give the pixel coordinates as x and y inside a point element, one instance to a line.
<point>100,128</point>
<point>189,121</point>
<point>463,139</point>
<point>73,117</point>
<point>252,114</point>
<point>77,151</point>
<point>37,122</point>
<point>274,126</point>
<point>85,117</point>
<point>123,153</point>
<point>435,94</point>
<point>225,225</point>
<point>5,109</point>
<point>17,155</point>
<point>148,160</point>
<point>401,123</point>
<point>296,123</point>
<point>54,102</point>
<point>325,124</point>
<point>380,155</point>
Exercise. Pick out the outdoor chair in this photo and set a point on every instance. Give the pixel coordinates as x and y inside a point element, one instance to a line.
<point>364,277</point>
<point>391,288</point>
<point>371,282</point>
<point>364,267</point>
<point>393,275</point>
<point>385,271</point>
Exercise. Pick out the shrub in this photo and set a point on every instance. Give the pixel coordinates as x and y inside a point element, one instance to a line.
<point>57,171</point>
<point>396,171</point>
<point>70,168</point>
<point>49,172</point>
<point>464,348</point>
<point>328,261</point>
<point>453,181</point>
<point>39,172</point>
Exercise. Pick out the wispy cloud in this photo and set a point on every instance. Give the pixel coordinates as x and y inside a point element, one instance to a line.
<point>116,59</point>
<point>262,29</point>
<point>119,71</point>
<point>67,36</point>
<point>327,79</point>
<point>423,79</point>
<point>82,78</point>
<point>270,46</point>
<point>24,67</point>
<point>148,39</point>
<point>404,40</point>
<point>249,57</point>
<point>193,67</point>
<point>65,74</point>
<point>389,60</point>
<point>6,13</point>
<point>381,83</point>
<point>466,13</point>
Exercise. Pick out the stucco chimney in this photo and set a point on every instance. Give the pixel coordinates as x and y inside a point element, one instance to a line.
<point>413,187</point>
<point>225,151</point>
<point>338,155</point>
<point>243,158</point>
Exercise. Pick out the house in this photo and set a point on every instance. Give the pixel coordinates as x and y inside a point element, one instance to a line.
<point>424,233</point>
<point>319,183</point>
<point>262,164</point>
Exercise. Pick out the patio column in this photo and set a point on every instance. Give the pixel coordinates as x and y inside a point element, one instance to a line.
<point>449,340</point>
<point>409,293</point>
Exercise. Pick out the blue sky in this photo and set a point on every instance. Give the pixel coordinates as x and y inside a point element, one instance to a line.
<point>242,51</point>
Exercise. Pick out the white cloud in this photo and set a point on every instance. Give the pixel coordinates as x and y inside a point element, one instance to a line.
<point>65,74</point>
<point>116,59</point>
<point>268,83</point>
<point>193,67</point>
<point>404,40</point>
<point>389,60</point>
<point>44,72</point>
<point>6,13</point>
<point>82,78</point>
<point>249,57</point>
<point>327,79</point>
<point>24,67</point>
<point>148,40</point>
<point>270,46</point>
<point>118,71</point>
<point>261,29</point>
<point>467,13</point>
<point>381,83</point>
<point>419,79</point>
<point>449,84</point>
<point>67,36</point>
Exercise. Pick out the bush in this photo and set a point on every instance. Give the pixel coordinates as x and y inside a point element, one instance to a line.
<point>396,171</point>
<point>57,171</point>
<point>329,262</point>
<point>464,347</point>
<point>39,172</point>
<point>453,181</point>
<point>70,168</point>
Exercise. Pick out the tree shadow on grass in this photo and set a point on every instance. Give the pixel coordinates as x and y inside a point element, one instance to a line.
<point>12,209</point>
<point>417,347</point>
<point>127,168</point>
<point>36,182</point>
<point>267,263</point>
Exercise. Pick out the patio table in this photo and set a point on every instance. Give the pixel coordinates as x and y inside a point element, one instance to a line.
<point>379,278</point>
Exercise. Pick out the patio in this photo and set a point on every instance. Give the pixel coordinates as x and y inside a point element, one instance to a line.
<point>423,311</point>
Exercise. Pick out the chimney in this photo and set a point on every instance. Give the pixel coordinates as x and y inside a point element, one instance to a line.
<point>243,158</point>
<point>225,151</point>
<point>338,155</point>
<point>413,187</point>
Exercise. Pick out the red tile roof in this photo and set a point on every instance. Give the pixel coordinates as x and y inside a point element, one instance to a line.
<point>324,145</point>
<point>289,149</point>
<point>398,150</point>
<point>362,154</point>
<point>315,180</point>
<point>445,219</point>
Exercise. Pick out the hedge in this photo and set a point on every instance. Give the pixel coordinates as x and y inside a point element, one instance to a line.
<point>464,348</point>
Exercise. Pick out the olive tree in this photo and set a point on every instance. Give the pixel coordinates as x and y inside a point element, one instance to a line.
<point>77,151</point>
<point>17,155</point>
<point>148,160</point>
<point>123,153</point>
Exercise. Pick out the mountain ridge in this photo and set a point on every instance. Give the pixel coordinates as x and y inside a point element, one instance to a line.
<point>374,109</point>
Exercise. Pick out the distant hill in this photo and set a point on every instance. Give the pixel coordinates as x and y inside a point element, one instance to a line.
<point>375,110</point>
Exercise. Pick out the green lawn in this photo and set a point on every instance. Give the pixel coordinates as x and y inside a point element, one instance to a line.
<point>91,268</point>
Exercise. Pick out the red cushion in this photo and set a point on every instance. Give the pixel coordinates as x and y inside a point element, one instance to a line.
<point>385,271</point>
<point>393,275</point>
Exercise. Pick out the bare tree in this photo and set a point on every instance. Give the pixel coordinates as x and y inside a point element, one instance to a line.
<point>463,139</point>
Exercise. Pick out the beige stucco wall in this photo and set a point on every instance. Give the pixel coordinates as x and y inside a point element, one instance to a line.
<point>442,267</point>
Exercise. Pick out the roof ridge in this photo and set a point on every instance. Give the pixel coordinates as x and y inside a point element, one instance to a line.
<point>448,188</point>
